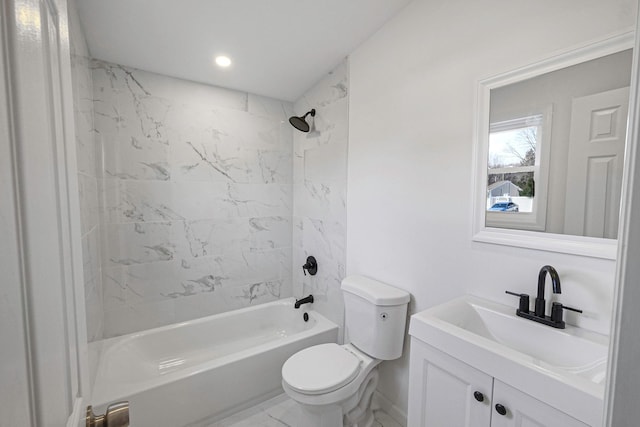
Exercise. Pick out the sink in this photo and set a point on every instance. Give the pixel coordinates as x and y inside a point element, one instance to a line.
<point>576,351</point>
<point>542,361</point>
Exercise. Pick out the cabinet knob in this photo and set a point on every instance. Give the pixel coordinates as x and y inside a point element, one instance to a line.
<point>479,396</point>
<point>501,409</point>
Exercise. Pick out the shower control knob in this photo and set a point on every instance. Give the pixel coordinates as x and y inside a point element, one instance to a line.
<point>311,266</point>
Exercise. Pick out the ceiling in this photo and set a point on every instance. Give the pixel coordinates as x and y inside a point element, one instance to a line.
<point>279,48</point>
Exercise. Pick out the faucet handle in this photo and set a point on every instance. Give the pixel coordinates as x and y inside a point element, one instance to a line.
<point>311,266</point>
<point>556,311</point>
<point>577,310</point>
<point>523,307</point>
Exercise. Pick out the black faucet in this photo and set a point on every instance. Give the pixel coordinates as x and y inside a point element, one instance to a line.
<point>555,320</point>
<point>555,282</point>
<point>305,300</point>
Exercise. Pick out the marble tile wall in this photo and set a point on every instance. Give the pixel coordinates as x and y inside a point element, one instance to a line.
<point>197,198</point>
<point>319,192</point>
<point>89,174</point>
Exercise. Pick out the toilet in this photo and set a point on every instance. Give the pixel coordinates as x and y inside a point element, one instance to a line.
<point>333,384</point>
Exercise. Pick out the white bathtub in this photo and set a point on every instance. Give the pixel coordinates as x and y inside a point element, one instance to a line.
<point>196,372</point>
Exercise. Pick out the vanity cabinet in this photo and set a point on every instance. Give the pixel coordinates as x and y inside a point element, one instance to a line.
<point>445,392</point>
<point>523,410</point>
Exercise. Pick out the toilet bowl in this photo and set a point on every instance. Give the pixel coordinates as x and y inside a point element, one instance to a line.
<point>333,384</point>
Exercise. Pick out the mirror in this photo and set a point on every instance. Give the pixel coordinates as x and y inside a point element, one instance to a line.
<point>550,151</point>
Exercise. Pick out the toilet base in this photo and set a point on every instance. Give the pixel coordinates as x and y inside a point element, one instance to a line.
<point>355,411</point>
<point>361,415</point>
<point>320,416</point>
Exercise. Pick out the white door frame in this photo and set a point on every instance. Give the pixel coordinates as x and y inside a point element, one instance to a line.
<point>47,285</point>
<point>623,376</point>
<point>15,389</point>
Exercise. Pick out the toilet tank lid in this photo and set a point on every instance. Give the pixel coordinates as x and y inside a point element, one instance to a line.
<point>377,293</point>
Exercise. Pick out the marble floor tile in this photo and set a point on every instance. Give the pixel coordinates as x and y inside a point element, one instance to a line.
<point>280,411</point>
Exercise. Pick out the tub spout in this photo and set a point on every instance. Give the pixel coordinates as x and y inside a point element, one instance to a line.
<point>305,300</point>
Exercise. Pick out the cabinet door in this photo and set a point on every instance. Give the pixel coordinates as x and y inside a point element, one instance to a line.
<point>523,410</point>
<point>442,391</point>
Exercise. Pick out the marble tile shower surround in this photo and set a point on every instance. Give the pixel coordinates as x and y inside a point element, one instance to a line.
<point>319,193</point>
<point>196,197</point>
<point>89,174</point>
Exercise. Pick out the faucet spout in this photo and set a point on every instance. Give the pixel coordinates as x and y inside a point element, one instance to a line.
<point>555,283</point>
<point>305,300</point>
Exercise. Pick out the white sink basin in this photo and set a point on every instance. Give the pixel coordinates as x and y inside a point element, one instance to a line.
<point>547,363</point>
<point>576,351</point>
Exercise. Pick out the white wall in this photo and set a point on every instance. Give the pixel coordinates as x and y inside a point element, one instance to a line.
<point>319,192</point>
<point>411,115</point>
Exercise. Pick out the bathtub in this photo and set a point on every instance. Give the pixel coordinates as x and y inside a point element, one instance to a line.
<point>196,372</point>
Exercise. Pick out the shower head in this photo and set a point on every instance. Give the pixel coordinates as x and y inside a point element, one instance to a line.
<point>300,123</point>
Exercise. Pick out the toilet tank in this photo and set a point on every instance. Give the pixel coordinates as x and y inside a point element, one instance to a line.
<point>375,316</point>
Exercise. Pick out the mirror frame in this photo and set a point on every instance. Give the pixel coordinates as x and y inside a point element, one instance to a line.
<point>563,243</point>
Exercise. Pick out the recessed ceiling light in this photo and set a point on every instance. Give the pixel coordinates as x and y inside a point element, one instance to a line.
<point>223,61</point>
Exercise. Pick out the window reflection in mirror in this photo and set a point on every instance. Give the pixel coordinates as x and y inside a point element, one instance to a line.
<point>512,165</point>
<point>517,171</point>
<point>555,149</point>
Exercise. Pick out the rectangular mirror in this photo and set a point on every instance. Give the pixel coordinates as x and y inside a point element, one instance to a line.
<point>550,151</point>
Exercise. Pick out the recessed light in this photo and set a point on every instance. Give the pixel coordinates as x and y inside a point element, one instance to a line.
<point>223,61</point>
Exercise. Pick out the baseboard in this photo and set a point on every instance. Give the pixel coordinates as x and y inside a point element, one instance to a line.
<point>382,402</point>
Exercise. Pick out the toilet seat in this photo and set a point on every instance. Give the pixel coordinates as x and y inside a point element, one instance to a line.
<point>321,369</point>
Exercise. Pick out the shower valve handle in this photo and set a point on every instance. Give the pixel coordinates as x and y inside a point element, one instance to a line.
<point>311,266</point>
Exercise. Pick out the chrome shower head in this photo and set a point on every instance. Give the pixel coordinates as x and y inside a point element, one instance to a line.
<point>300,123</point>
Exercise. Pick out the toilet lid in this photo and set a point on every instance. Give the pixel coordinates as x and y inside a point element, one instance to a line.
<point>320,369</point>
